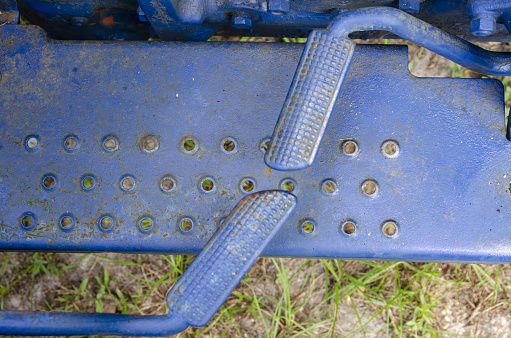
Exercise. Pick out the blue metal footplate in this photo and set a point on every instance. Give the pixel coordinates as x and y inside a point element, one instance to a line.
<point>147,146</point>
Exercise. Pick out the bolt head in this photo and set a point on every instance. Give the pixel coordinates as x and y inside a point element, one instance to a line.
<point>241,22</point>
<point>483,26</point>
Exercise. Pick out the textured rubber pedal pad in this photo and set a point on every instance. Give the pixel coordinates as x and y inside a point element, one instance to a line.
<point>228,255</point>
<point>310,100</point>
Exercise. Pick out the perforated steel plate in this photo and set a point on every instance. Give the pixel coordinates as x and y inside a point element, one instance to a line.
<point>446,190</point>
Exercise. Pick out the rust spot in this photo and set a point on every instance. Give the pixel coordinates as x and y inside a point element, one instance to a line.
<point>49,242</point>
<point>108,21</point>
<point>165,235</point>
<point>116,198</point>
<point>216,219</point>
<point>267,171</point>
<point>104,201</point>
<point>224,192</point>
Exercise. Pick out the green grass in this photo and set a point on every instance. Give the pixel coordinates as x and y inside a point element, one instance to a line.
<point>402,298</point>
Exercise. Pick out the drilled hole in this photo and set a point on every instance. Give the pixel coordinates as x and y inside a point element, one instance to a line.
<point>146,223</point>
<point>247,185</point>
<point>349,228</point>
<point>329,187</point>
<point>27,221</point>
<point>88,182</point>
<point>66,222</point>
<point>127,183</point>
<point>308,227</point>
<point>207,185</point>
<point>70,143</point>
<point>189,145</point>
<point>110,143</point>
<point>288,186</point>
<point>229,145</point>
<point>264,145</point>
<point>390,229</point>
<point>149,143</point>
<point>370,188</point>
<point>350,147</point>
<point>32,142</point>
<point>390,149</point>
<point>49,182</point>
<point>186,224</point>
<point>167,184</point>
<point>106,223</point>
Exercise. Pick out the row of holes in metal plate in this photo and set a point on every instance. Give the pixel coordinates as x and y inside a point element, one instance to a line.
<point>207,184</point>
<point>189,145</point>
<point>146,225</point>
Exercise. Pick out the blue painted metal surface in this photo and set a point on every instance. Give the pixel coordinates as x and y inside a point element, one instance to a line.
<point>484,15</point>
<point>87,20</point>
<point>326,59</point>
<point>423,34</point>
<point>198,293</point>
<point>447,190</point>
<point>9,12</point>
<point>200,19</point>
<point>309,102</point>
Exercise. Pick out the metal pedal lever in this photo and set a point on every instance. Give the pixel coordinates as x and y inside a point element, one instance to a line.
<point>325,62</point>
<point>196,296</point>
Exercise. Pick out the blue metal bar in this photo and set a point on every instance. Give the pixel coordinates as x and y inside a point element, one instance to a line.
<point>423,34</point>
<point>34,323</point>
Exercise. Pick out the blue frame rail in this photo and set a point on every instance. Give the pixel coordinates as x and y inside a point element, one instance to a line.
<point>447,189</point>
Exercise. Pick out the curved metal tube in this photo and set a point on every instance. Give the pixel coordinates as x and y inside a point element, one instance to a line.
<point>325,62</point>
<point>422,33</point>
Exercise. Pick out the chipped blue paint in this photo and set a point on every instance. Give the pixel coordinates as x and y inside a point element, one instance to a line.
<point>447,189</point>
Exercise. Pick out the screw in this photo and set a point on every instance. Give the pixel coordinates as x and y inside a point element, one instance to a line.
<point>241,21</point>
<point>484,25</point>
<point>79,21</point>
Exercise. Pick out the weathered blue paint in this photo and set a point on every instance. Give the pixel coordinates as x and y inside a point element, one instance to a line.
<point>447,190</point>
<point>200,19</point>
<point>484,15</point>
<point>423,34</point>
<point>9,13</point>
<point>325,61</point>
<point>197,294</point>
